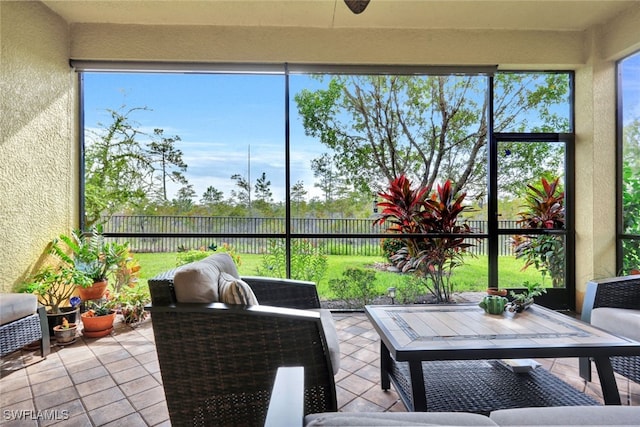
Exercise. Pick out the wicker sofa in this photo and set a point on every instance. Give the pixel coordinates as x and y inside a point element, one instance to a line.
<point>613,304</point>
<point>285,409</point>
<point>218,360</point>
<point>22,322</point>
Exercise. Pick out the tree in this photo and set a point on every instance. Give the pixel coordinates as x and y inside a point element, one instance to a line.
<point>117,170</point>
<point>263,190</point>
<point>162,151</point>
<point>297,195</point>
<point>243,196</point>
<point>631,194</point>
<point>429,128</point>
<point>184,199</point>
<point>330,181</point>
<point>211,196</point>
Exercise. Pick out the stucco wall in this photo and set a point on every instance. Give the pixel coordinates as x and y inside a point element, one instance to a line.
<point>38,149</point>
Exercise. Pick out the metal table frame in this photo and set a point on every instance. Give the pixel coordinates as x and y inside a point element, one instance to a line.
<point>401,343</point>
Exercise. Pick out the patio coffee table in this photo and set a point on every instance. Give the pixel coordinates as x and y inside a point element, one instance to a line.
<point>431,350</point>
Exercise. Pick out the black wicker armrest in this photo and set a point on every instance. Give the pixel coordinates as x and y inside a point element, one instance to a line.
<point>161,288</point>
<point>284,292</point>
<point>617,292</point>
<point>286,406</point>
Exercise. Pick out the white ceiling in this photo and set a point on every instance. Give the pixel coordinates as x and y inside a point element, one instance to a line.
<point>569,15</point>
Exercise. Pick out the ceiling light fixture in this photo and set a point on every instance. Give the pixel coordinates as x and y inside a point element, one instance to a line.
<point>357,6</point>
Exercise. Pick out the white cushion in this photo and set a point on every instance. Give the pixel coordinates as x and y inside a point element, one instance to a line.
<point>235,291</point>
<point>618,321</point>
<point>344,419</point>
<point>17,306</point>
<point>569,416</point>
<point>198,281</point>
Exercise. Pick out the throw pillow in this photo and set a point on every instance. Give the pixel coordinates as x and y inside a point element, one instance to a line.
<point>197,282</point>
<point>235,291</point>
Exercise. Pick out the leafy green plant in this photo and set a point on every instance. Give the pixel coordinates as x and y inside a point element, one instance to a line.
<point>90,253</point>
<point>408,291</point>
<point>127,273</point>
<point>391,246</point>
<point>531,291</point>
<point>308,262</point>
<point>191,255</point>
<point>132,302</point>
<point>544,210</point>
<point>54,286</point>
<point>410,211</point>
<point>103,306</point>
<point>631,217</point>
<point>356,287</point>
<point>186,256</point>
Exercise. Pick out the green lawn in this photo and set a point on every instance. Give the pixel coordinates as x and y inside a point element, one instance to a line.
<point>472,276</point>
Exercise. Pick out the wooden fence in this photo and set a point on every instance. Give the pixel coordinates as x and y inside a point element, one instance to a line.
<point>237,225</point>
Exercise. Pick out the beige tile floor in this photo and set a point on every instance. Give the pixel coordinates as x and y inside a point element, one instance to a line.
<point>116,380</point>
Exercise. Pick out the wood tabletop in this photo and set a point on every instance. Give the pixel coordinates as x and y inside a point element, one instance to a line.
<point>465,331</point>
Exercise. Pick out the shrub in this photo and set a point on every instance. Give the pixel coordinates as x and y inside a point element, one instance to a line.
<point>414,211</point>
<point>355,288</point>
<point>544,210</point>
<point>391,246</point>
<point>308,262</point>
<point>408,291</point>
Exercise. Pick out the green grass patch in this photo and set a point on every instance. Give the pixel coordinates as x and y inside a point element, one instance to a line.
<point>473,276</point>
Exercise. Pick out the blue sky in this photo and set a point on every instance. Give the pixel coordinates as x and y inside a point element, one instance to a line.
<point>218,117</point>
<point>631,87</point>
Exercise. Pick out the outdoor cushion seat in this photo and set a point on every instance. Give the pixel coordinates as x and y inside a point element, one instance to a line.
<point>613,304</point>
<point>218,360</point>
<point>286,401</point>
<point>22,322</point>
<point>623,321</point>
<point>16,306</point>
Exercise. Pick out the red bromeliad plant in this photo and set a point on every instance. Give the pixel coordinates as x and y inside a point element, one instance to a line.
<point>410,211</point>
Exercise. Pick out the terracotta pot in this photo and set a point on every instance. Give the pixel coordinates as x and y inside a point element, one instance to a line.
<point>96,291</point>
<point>65,336</point>
<point>97,326</point>
<point>496,291</point>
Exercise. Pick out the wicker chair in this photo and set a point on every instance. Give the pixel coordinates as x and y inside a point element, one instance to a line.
<point>219,361</point>
<point>23,322</point>
<point>616,292</point>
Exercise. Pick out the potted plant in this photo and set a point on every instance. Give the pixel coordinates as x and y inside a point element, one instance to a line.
<point>65,333</point>
<point>54,287</point>
<point>132,302</point>
<point>98,320</point>
<point>91,255</point>
<point>522,300</point>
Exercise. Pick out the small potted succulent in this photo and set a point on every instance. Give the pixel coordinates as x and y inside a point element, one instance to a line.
<point>523,300</point>
<point>98,320</point>
<point>65,333</point>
